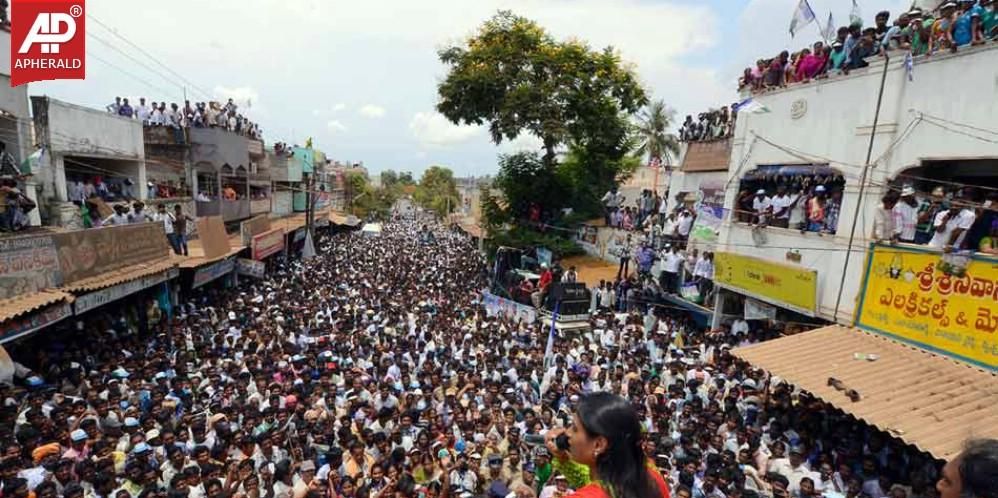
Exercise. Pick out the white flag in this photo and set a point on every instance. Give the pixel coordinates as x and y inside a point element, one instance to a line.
<point>829,33</point>
<point>751,106</point>
<point>854,15</point>
<point>803,16</point>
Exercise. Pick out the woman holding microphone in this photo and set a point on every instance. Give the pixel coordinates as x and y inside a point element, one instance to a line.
<point>601,454</point>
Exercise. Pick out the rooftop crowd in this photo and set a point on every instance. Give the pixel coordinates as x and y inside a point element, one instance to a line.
<point>949,27</point>
<point>649,213</point>
<point>714,124</point>
<point>200,115</point>
<point>372,370</point>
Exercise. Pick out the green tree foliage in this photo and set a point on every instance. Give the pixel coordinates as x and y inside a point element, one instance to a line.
<point>516,77</point>
<point>437,190</point>
<point>657,143</point>
<point>368,200</point>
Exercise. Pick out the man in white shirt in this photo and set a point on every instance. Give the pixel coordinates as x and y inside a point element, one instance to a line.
<point>142,111</point>
<point>739,326</point>
<point>164,217</point>
<point>906,215</point>
<point>672,262</point>
<point>612,201</point>
<point>781,207</point>
<point>685,224</point>
<point>951,226</point>
<point>761,206</point>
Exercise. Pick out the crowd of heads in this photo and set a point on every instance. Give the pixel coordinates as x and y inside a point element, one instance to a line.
<point>199,115</point>
<point>714,124</point>
<point>650,214</point>
<point>372,370</point>
<point>808,203</point>
<point>948,217</point>
<point>945,29</point>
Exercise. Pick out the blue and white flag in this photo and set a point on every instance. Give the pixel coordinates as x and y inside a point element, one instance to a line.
<point>829,32</point>
<point>909,66</point>
<point>751,106</point>
<point>803,16</point>
<point>549,348</point>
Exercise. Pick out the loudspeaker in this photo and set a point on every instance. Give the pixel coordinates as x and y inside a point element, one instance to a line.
<point>569,292</point>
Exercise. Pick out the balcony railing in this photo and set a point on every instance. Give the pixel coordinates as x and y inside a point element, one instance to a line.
<point>235,210</point>
<point>209,208</point>
<point>164,135</point>
<point>259,206</point>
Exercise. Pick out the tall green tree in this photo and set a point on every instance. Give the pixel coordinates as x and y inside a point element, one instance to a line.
<point>437,190</point>
<point>524,180</point>
<point>658,144</point>
<point>517,78</point>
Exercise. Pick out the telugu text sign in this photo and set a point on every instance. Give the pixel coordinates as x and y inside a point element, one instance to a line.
<point>28,264</point>
<point>906,296</point>
<point>268,243</point>
<point>786,286</point>
<point>87,253</point>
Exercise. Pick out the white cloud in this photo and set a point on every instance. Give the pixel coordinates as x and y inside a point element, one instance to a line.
<point>525,142</point>
<point>372,111</point>
<point>335,127</point>
<point>431,129</point>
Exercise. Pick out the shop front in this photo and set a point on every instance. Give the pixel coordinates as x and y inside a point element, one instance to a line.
<point>209,273</point>
<point>751,288</point>
<point>267,244</point>
<point>920,362</point>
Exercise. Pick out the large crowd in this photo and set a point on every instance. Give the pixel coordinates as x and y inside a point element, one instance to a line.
<point>372,370</point>
<point>952,25</point>
<point>199,115</point>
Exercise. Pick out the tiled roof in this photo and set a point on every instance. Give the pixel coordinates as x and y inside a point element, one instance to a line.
<point>18,305</point>
<point>122,275</point>
<point>930,401</point>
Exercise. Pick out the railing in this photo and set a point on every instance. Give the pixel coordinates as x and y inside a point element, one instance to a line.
<point>235,210</point>
<point>259,206</point>
<point>164,135</point>
<point>209,208</point>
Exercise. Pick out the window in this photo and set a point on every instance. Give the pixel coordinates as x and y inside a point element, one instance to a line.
<point>806,197</point>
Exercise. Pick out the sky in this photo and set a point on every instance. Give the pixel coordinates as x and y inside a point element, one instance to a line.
<point>360,77</point>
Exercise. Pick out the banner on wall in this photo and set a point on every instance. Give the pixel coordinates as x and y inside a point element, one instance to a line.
<point>268,243</point>
<point>910,294</point>
<point>790,287</point>
<point>251,268</point>
<point>28,264</point>
<point>211,272</point>
<point>495,305</point>
<point>88,253</point>
<point>709,208</point>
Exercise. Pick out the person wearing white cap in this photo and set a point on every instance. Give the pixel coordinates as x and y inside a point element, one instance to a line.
<point>906,215</point>
<point>762,206</point>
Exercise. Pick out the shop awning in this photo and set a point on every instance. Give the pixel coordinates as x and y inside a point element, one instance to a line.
<point>929,401</point>
<point>701,315</point>
<point>126,274</point>
<point>25,303</point>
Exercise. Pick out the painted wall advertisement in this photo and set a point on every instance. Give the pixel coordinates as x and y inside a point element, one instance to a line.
<point>709,207</point>
<point>28,264</point>
<point>268,243</point>
<point>208,273</point>
<point>12,329</point>
<point>99,298</point>
<point>87,253</point>
<point>251,268</point>
<point>495,305</point>
<point>790,287</point>
<point>910,294</point>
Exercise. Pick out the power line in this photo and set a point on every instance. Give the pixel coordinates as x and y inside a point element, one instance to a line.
<point>128,73</point>
<point>150,56</point>
<point>136,60</point>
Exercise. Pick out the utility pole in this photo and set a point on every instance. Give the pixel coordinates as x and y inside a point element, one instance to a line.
<point>862,186</point>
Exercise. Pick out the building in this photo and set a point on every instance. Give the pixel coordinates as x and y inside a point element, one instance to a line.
<point>923,138</point>
<point>15,121</point>
<point>221,167</point>
<point>85,152</point>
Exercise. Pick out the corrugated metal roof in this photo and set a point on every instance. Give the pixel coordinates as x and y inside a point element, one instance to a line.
<point>930,401</point>
<point>24,303</point>
<point>123,275</point>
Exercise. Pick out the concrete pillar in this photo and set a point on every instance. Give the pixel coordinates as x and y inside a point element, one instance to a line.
<point>31,191</point>
<point>141,180</point>
<point>59,177</point>
<point>720,300</point>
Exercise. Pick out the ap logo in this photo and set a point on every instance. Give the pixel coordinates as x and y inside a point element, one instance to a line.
<point>48,40</point>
